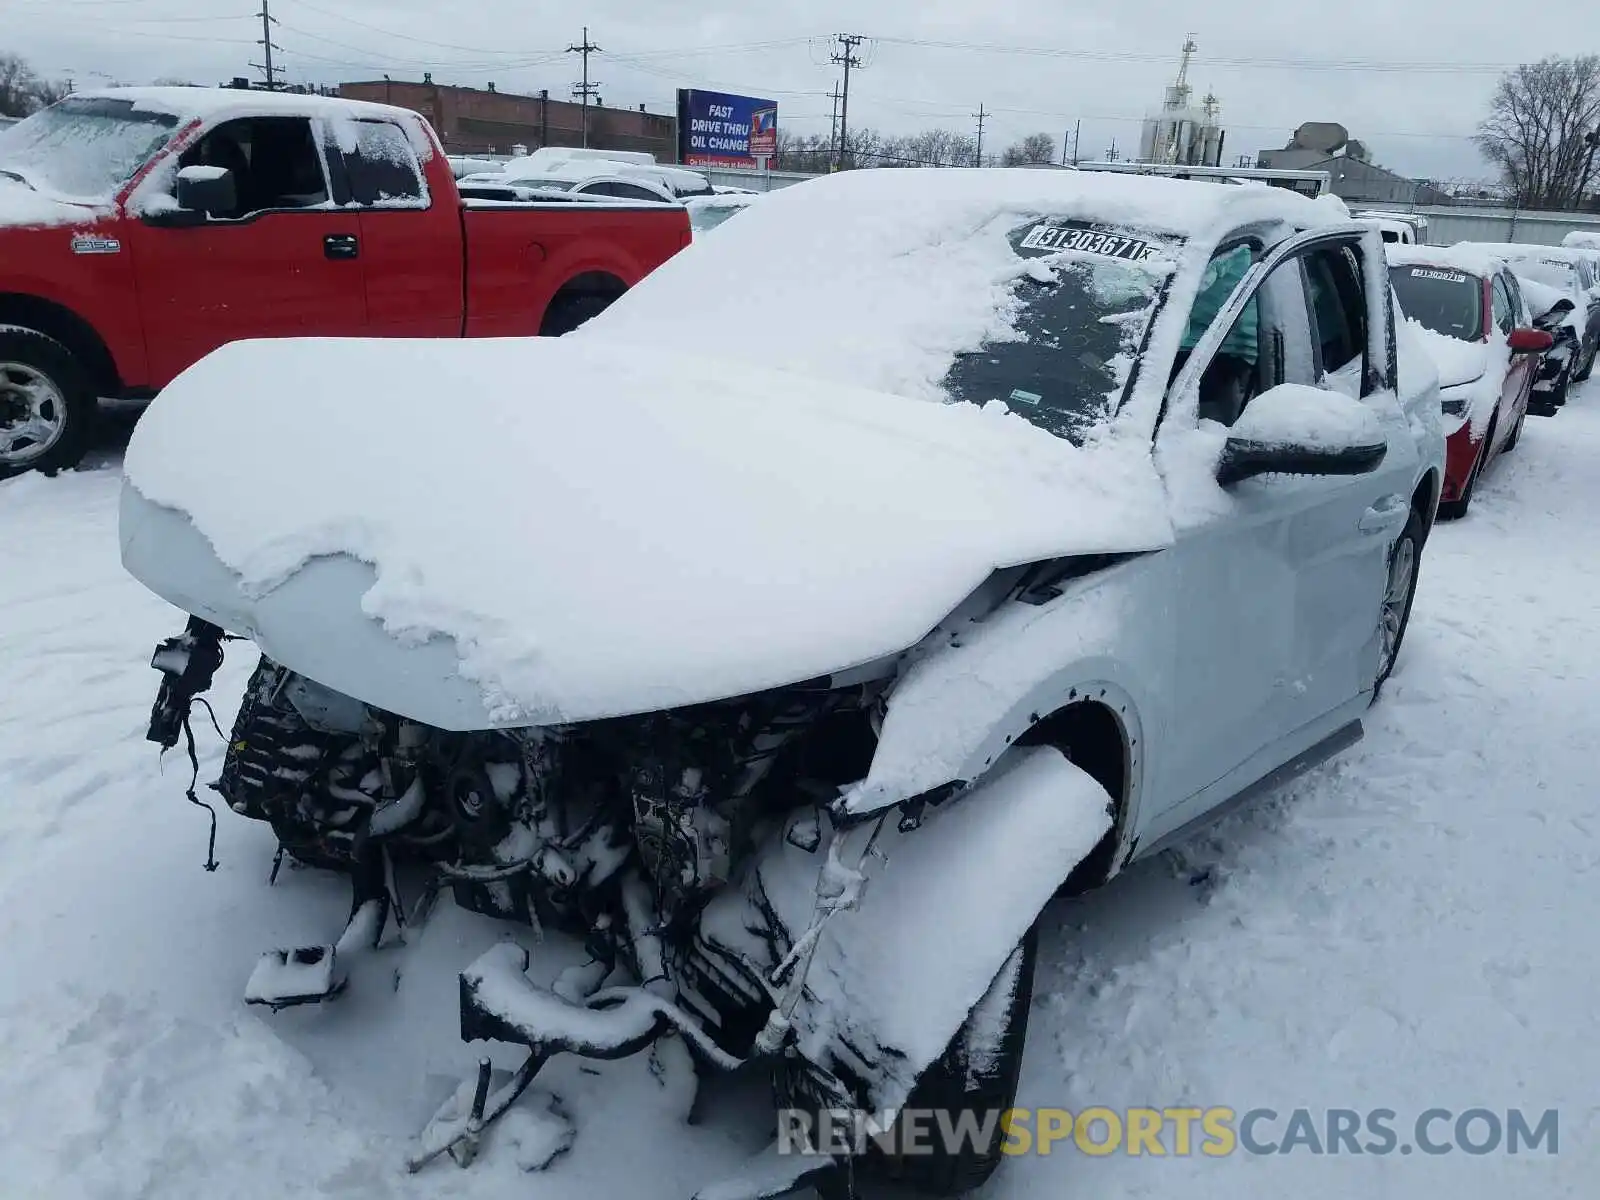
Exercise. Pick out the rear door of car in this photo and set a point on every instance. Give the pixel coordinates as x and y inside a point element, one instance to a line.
<point>410,237</point>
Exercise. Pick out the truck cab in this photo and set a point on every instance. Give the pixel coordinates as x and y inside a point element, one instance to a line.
<point>143,228</point>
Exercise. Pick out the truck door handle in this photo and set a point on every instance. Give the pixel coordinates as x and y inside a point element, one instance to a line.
<point>1388,513</point>
<point>341,245</point>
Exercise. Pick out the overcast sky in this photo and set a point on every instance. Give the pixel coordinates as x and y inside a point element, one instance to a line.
<point>1409,77</point>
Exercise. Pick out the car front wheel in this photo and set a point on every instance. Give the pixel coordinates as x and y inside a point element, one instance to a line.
<point>1405,558</point>
<point>47,404</point>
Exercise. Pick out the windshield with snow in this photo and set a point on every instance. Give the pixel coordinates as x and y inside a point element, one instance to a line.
<point>1550,272</point>
<point>1084,301</point>
<point>1444,300</point>
<point>84,148</point>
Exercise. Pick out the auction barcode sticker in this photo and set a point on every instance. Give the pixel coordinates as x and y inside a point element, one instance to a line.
<point>1089,241</point>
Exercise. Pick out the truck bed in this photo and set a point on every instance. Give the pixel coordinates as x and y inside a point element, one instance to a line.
<point>519,255</point>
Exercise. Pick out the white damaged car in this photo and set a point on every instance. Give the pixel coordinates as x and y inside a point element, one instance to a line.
<point>794,635</point>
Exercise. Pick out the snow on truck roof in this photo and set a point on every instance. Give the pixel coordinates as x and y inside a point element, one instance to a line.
<point>207,102</point>
<point>878,278</point>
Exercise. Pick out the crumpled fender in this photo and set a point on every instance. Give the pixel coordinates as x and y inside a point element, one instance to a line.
<point>894,978</point>
<point>959,708</point>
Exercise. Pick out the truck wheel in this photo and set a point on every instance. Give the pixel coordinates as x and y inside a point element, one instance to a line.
<point>977,1074</point>
<point>47,404</point>
<point>1405,561</point>
<point>568,312</point>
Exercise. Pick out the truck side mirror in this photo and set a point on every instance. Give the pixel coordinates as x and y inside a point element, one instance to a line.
<point>208,190</point>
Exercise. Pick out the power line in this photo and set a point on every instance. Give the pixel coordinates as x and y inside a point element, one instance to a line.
<point>585,89</point>
<point>847,59</point>
<point>1295,64</point>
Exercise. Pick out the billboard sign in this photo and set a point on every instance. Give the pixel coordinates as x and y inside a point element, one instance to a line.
<point>716,129</point>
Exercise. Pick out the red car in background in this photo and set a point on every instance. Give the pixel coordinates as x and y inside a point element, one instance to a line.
<point>1466,307</point>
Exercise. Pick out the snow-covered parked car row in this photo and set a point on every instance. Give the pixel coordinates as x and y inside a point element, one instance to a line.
<point>1069,509</point>
<point>1467,308</point>
<point>1510,328</point>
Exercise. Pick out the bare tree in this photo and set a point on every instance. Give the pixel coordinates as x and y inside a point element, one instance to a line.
<point>1543,129</point>
<point>47,91</point>
<point>1035,148</point>
<point>17,84</point>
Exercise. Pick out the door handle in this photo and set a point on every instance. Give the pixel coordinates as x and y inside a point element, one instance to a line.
<point>1388,513</point>
<point>341,245</point>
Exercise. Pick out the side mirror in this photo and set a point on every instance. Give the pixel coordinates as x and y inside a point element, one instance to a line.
<point>207,190</point>
<point>1297,430</point>
<point>1529,341</point>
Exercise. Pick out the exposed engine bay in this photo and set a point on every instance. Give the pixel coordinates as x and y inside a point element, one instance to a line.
<point>699,856</point>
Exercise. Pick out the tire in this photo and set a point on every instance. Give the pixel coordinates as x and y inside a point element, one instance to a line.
<point>952,1084</point>
<point>1563,384</point>
<point>1394,616</point>
<point>569,312</point>
<point>1588,364</point>
<point>1516,434</point>
<point>47,404</point>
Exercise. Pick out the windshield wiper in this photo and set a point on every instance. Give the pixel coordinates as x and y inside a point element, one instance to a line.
<point>19,177</point>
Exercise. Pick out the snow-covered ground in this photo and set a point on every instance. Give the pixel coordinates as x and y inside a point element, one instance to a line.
<point>1404,929</point>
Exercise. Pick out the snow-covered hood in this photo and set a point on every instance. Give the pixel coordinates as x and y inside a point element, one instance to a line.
<point>23,208</point>
<point>596,530</point>
<point>1457,361</point>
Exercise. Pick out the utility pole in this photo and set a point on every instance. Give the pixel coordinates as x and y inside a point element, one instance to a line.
<point>833,123</point>
<point>846,58</point>
<point>1077,132</point>
<point>586,88</point>
<point>978,151</point>
<point>267,47</point>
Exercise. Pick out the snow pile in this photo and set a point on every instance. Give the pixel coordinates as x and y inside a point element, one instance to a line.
<point>1582,240</point>
<point>1293,414</point>
<point>606,527</point>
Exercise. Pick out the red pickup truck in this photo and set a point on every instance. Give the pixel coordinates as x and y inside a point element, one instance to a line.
<point>141,228</point>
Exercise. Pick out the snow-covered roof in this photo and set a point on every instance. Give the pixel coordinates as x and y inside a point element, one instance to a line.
<point>1582,239</point>
<point>878,278</point>
<point>1518,251</point>
<point>1463,256</point>
<point>206,103</point>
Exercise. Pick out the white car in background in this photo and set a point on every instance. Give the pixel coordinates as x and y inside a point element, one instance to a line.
<point>1397,228</point>
<point>1571,273</point>
<point>576,184</point>
<point>553,166</point>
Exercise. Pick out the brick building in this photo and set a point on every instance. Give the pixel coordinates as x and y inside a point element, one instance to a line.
<point>486,121</point>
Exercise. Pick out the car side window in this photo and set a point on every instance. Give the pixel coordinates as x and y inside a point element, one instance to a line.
<point>382,166</point>
<point>275,163</point>
<point>1505,311</point>
<point>1269,342</point>
<point>1338,312</point>
<point>1520,314</point>
<point>629,191</point>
